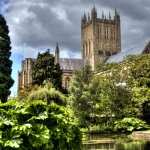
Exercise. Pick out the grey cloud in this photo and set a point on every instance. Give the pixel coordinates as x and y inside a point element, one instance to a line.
<point>43,23</point>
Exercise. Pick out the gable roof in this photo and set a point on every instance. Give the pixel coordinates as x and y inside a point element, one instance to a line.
<point>70,64</point>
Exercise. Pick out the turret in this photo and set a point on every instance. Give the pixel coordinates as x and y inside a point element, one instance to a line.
<point>109,16</point>
<point>102,15</point>
<point>117,16</point>
<point>57,54</point>
<point>89,17</point>
<point>94,13</point>
<point>84,19</point>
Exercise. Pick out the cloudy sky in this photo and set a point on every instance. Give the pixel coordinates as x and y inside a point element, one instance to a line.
<point>36,25</point>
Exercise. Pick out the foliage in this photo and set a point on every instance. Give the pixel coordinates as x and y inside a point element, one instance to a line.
<point>36,125</point>
<point>105,67</point>
<point>45,69</point>
<point>130,124</point>
<point>116,92</point>
<point>102,128</point>
<point>47,94</point>
<point>5,63</point>
<point>98,99</point>
<point>133,74</point>
<point>79,94</point>
<point>24,93</point>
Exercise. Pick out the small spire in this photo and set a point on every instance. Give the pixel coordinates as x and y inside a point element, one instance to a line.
<point>84,17</point>
<point>89,17</point>
<point>57,54</point>
<point>102,14</point>
<point>116,13</point>
<point>109,16</point>
<point>57,47</point>
<point>48,50</point>
<point>94,13</point>
<point>94,8</point>
<point>117,16</point>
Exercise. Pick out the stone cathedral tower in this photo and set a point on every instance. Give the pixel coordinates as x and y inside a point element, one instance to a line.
<point>100,37</point>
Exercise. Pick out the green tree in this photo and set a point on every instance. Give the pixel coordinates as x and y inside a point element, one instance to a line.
<point>140,83</point>
<point>80,95</point>
<point>5,63</point>
<point>110,100</point>
<point>134,72</point>
<point>45,69</point>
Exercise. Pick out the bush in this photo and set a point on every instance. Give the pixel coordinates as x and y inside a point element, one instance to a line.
<point>101,129</point>
<point>49,95</point>
<point>130,124</point>
<point>38,126</point>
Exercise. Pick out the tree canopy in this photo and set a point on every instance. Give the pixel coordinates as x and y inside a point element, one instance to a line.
<point>45,70</point>
<point>5,63</point>
<point>115,92</point>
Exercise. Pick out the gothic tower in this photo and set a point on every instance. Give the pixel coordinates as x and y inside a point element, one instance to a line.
<point>100,37</point>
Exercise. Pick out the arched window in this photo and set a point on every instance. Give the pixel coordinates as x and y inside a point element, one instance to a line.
<point>67,81</point>
<point>83,52</point>
<point>89,53</point>
<point>86,49</point>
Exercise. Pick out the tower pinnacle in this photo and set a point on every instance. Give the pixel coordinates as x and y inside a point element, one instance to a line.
<point>94,13</point>
<point>84,19</point>
<point>57,54</point>
<point>109,16</point>
<point>102,15</point>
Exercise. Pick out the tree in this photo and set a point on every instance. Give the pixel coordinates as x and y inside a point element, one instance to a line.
<point>109,100</point>
<point>45,70</point>
<point>5,63</point>
<point>134,73</point>
<point>81,101</point>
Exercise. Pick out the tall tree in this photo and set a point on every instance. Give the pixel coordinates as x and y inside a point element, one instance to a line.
<point>79,92</point>
<point>5,63</point>
<point>45,69</point>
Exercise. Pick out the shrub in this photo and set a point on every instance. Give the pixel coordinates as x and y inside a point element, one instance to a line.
<point>130,124</point>
<point>49,95</point>
<point>36,125</point>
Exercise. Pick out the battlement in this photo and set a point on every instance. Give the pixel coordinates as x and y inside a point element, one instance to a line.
<point>93,18</point>
<point>100,37</point>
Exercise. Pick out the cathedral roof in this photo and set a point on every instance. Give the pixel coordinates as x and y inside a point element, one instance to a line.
<point>70,64</point>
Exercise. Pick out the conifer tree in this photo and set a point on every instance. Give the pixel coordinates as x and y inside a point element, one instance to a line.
<point>45,70</point>
<point>5,63</point>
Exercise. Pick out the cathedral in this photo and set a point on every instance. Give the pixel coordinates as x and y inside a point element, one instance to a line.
<point>100,39</point>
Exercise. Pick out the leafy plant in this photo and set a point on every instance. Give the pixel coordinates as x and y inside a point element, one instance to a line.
<point>37,125</point>
<point>130,124</point>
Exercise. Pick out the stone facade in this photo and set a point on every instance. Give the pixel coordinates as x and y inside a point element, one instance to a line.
<point>68,66</point>
<point>25,75</point>
<point>100,38</point>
